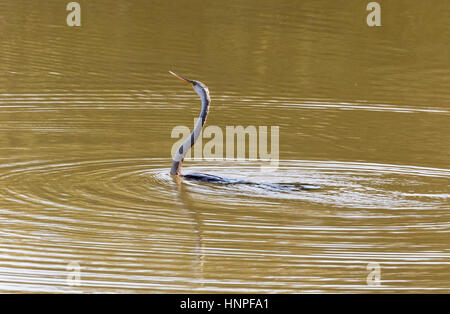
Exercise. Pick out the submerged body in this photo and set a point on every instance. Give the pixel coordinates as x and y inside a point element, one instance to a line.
<point>203,91</point>
<point>280,187</point>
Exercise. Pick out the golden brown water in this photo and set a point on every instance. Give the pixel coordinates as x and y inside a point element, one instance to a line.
<point>86,115</point>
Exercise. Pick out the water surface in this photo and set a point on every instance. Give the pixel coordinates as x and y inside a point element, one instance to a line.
<point>86,116</point>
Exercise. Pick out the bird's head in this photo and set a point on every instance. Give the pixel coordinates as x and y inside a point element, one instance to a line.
<point>200,88</point>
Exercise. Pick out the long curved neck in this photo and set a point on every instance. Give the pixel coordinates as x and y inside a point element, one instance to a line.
<point>190,141</point>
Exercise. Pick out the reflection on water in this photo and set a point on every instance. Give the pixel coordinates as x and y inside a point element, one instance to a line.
<point>85,122</point>
<point>132,226</point>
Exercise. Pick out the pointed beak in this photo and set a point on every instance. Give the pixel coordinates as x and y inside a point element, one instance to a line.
<point>182,78</point>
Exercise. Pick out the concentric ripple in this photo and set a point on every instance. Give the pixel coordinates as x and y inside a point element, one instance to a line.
<point>130,184</point>
<point>357,185</point>
<point>132,227</point>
